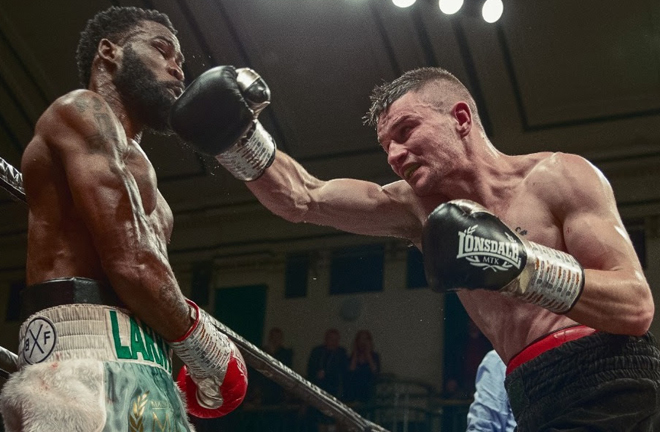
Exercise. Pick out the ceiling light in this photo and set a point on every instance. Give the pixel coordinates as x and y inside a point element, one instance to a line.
<point>492,10</point>
<point>403,3</point>
<point>450,7</point>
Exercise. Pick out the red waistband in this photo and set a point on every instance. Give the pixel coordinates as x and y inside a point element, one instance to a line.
<point>553,340</point>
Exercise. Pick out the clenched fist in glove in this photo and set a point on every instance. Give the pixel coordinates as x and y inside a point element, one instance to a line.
<point>217,114</point>
<point>214,378</point>
<point>467,247</point>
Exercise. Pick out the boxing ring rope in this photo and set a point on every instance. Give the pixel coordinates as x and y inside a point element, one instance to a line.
<point>8,362</point>
<point>11,180</point>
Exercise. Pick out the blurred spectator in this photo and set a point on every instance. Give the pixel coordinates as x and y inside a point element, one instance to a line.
<point>327,368</point>
<point>363,369</point>
<point>490,411</point>
<point>328,364</point>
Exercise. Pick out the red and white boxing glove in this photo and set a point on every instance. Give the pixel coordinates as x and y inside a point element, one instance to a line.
<point>214,378</point>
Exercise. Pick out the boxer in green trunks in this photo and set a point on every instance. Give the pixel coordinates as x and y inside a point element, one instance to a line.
<point>102,298</point>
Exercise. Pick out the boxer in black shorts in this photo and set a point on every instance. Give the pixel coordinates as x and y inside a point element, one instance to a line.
<point>532,243</point>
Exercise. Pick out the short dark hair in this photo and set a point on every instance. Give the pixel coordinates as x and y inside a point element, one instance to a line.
<point>384,95</point>
<point>113,23</point>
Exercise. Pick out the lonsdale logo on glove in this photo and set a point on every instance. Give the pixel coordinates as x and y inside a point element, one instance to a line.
<point>487,253</point>
<point>466,247</point>
<point>537,274</point>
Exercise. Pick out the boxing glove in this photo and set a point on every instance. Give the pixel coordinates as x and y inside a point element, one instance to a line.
<point>467,247</point>
<point>217,114</point>
<point>214,378</point>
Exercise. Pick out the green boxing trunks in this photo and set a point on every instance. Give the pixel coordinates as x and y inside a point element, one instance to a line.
<point>92,368</point>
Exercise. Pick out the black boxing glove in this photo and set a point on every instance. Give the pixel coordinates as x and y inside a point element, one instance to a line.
<point>217,114</point>
<point>467,247</point>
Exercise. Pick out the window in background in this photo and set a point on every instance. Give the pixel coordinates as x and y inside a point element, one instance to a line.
<point>357,269</point>
<point>295,274</point>
<point>415,277</point>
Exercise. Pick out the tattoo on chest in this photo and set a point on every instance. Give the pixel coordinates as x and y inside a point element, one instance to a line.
<point>521,231</point>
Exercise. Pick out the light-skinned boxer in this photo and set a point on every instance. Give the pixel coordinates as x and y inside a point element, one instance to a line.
<point>533,244</point>
<point>103,310</point>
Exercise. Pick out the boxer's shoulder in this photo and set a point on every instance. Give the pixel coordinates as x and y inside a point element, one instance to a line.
<point>401,192</point>
<point>74,103</point>
<point>75,109</point>
<point>81,119</point>
<point>557,165</point>
<point>566,181</point>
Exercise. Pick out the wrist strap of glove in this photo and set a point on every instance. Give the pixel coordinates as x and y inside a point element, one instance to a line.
<point>206,352</point>
<point>551,279</point>
<point>249,157</point>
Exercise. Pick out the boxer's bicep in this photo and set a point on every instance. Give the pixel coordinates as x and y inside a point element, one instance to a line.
<point>593,231</point>
<point>365,208</point>
<point>599,241</point>
<point>287,189</point>
<point>616,296</point>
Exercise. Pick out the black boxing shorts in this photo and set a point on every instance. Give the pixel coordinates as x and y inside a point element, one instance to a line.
<point>598,382</point>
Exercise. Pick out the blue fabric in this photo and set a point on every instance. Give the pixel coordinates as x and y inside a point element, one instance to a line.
<point>490,410</point>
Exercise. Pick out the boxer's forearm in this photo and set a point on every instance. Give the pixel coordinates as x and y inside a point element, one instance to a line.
<point>143,279</point>
<point>615,301</point>
<point>285,188</point>
<point>148,287</point>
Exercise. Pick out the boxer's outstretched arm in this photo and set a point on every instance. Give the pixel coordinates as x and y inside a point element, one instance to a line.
<point>217,115</point>
<point>352,205</point>
<point>83,132</point>
<point>616,296</point>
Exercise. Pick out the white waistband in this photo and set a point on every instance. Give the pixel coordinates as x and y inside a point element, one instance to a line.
<point>83,331</point>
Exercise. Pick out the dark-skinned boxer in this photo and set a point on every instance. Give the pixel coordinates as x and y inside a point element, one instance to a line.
<point>103,310</point>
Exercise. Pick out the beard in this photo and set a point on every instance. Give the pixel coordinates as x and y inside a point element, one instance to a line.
<point>145,97</point>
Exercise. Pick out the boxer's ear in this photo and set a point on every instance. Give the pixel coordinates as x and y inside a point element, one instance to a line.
<point>463,116</point>
<point>109,52</point>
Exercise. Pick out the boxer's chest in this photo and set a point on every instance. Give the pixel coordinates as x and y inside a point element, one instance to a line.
<point>144,175</point>
<point>532,219</point>
<point>154,205</point>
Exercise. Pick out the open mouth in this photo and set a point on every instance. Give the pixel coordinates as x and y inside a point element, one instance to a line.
<point>410,169</point>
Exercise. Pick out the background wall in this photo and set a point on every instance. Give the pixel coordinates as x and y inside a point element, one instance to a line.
<point>407,324</point>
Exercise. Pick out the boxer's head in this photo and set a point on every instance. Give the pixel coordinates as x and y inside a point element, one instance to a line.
<point>139,53</point>
<point>446,90</point>
<point>424,121</point>
<point>115,24</point>
<point>332,338</point>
